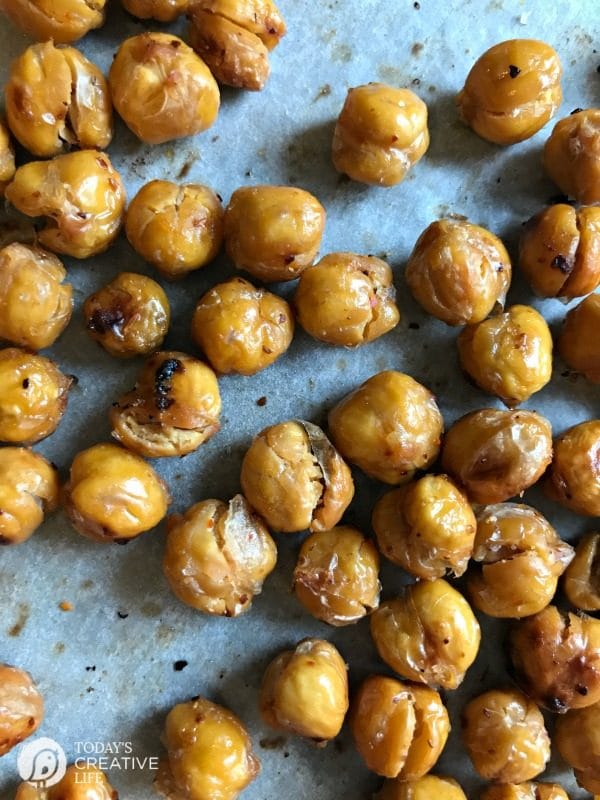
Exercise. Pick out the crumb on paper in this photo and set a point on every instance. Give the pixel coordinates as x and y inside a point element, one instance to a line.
<point>122,614</point>
<point>65,605</point>
<point>262,401</point>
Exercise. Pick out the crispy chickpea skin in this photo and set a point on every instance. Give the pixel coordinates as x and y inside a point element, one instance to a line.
<point>80,193</point>
<point>234,38</point>
<point>390,427</point>
<point>29,489</point>
<point>429,634</point>
<point>336,577</point>
<point>572,155</point>
<point>21,707</point>
<point>241,328</point>
<point>113,495</point>
<point>218,555</point>
<point>581,582</point>
<point>273,232</point>
<point>426,527</point>
<point>7,158</point>
<point>161,10</point>
<point>577,738</point>
<point>425,788</point>
<point>521,557</point>
<point>347,299</point>
<point>578,343</point>
<point>294,477</point>
<point>173,408</point>
<point>35,303</point>
<point>573,479</point>
<point>399,729</point>
<point>60,20</point>
<point>129,316</point>
<point>525,791</point>
<point>176,228</point>
<point>305,691</point>
<point>162,89</point>
<point>210,755</point>
<point>81,782</point>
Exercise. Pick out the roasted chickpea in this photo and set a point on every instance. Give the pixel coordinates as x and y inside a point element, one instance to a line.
<point>81,782</point>
<point>81,194</point>
<point>429,634</point>
<point>495,455</point>
<point>390,427</point>
<point>113,495</point>
<point>35,304</point>
<point>33,398</point>
<point>175,228</point>
<point>582,577</point>
<point>273,232</point>
<point>578,741</point>
<point>162,89</point>
<point>572,155</point>
<point>426,527</point>
<point>305,691</point>
<point>218,556</point>
<point>337,576</point>
<point>21,707</point>
<point>161,10</point>
<point>129,316</point>
<point>347,299</point>
<point>173,408</point>
<point>399,730</point>
<point>573,479</point>
<point>525,791</point>
<point>60,20</point>
<point>29,489</point>
<point>294,477</point>
<point>235,39</point>
<point>521,557</point>
<point>241,328</point>
<point>425,788</point>
<point>7,158</point>
<point>578,343</point>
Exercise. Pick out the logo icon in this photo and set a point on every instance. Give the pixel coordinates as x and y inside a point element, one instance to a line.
<point>42,762</point>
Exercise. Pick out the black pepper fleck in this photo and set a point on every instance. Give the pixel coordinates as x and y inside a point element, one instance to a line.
<point>513,71</point>
<point>416,6</point>
<point>262,401</point>
<point>180,665</point>
<point>576,111</point>
<point>25,383</point>
<point>163,382</point>
<point>122,615</point>
<point>561,263</point>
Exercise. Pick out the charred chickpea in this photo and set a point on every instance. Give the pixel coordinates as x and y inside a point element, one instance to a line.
<point>241,328</point>
<point>161,10</point>
<point>29,489</point>
<point>273,232</point>
<point>60,20</point>
<point>577,740</point>
<point>7,158</point>
<point>572,155</point>
<point>173,408</point>
<point>525,791</point>
<point>21,707</point>
<point>81,782</point>
<point>425,788</point>
<point>578,343</point>
<point>573,479</point>
<point>581,582</point>
<point>305,691</point>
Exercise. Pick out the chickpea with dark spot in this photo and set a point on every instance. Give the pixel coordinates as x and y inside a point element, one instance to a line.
<point>573,479</point>
<point>571,155</point>
<point>60,20</point>
<point>29,491</point>
<point>576,739</point>
<point>7,158</point>
<point>21,707</point>
<point>578,342</point>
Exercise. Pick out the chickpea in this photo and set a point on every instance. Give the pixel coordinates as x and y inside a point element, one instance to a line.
<point>173,408</point>
<point>273,232</point>
<point>573,479</point>
<point>162,89</point>
<point>35,304</point>
<point>21,707</point>
<point>572,155</point>
<point>113,495</point>
<point>429,634</point>
<point>81,782</point>
<point>129,316</point>
<point>7,158</point>
<point>578,343</point>
<point>495,455</point>
<point>218,555</point>
<point>60,20</point>
<point>525,791</point>
<point>29,489</point>
<point>175,228</point>
<point>337,576</point>
<point>521,557</point>
<point>582,577</point>
<point>425,788</point>
<point>347,299</point>
<point>578,741</point>
<point>241,328</point>
<point>234,38</point>
<point>427,527</point>
<point>294,477</point>
<point>305,691</point>
<point>161,10</point>
<point>82,196</point>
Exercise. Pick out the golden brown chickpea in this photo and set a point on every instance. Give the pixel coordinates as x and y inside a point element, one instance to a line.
<point>495,455</point>
<point>525,791</point>
<point>21,707</point>
<point>218,556</point>
<point>577,737</point>
<point>337,576</point>
<point>305,691</point>
<point>175,228</point>
<point>581,583</point>
<point>234,38</point>
<point>33,398</point>
<point>81,194</point>
<point>294,477</point>
<point>129,316</point>
<point>572,155</point>
<point>347,299</point>
<point>429,634</point>
<point>578,343</point>
<point>559,251</point>
<point>29,489</point>
<point>113,495</point>
<point>81,782</point>
<point>390,427</point>
<point>35,304</point>
<point>399,729</point>
<point>241,328</point>
<point>458,272</point>
<point>426,527</point>
<point>60,20</point>
<point>512,91</point>
<point>573,479</point>
<point>7,158</point>
<point>521,557</point>
<point>504,734</point>
<point>162,89</point>
<point>273,232</point>
<point>173,408</point>
<point>161,10</point>
<point>425,788</point>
